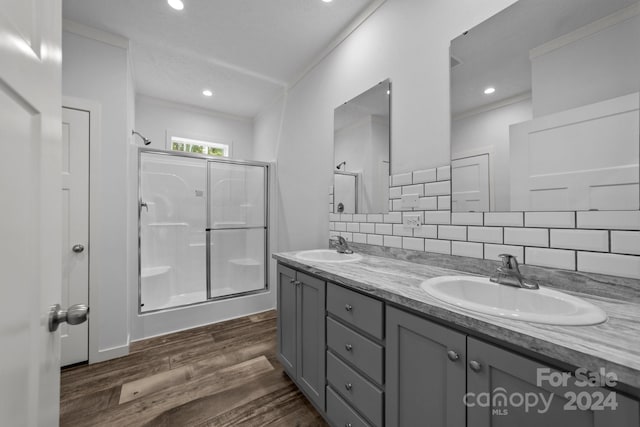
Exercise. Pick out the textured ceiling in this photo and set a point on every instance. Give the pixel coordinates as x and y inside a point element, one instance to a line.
<point>496,52</point>
<point>245,51</point>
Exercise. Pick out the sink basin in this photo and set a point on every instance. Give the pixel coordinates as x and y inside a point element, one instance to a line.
<point>539,306</point>
<point>327,255</point>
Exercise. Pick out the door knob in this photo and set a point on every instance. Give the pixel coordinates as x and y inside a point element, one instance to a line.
<point>74,315</point>
<point>78,248</point>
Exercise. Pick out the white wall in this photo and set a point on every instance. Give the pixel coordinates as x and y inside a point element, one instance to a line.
<point>154,117</point>
<point>98,71</point>
<point>563,78</point>
<point>406,41</point>
<point>490,129</point>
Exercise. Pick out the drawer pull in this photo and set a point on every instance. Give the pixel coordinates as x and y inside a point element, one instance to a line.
<point>348,307</point>
<point>348,347</point>
<point>292,281</point>
<point>348,386</point>
<point>475,366</point>
<point>452,355</point>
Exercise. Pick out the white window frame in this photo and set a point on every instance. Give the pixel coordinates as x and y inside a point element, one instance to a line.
<point>186,138</point>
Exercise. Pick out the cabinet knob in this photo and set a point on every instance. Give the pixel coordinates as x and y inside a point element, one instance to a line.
<point>347,425</point>
<point>475,366</point>
<point>452,355</point>
<point>348,307</point>
<point>348,386</point>
<point>348,347</point>
<point>293,281</point>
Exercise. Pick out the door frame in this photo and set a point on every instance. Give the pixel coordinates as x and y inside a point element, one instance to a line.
<point>95,118</point>
<point>480,151</point>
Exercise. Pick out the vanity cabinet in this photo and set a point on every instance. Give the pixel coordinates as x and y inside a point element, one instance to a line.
<point>425,372</point>
<point>301,331</point>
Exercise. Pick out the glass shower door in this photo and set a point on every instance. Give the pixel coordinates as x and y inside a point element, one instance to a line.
<point>236,229</point>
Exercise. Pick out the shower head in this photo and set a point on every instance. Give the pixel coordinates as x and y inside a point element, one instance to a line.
<point>339,165</point>
<point>146,141</point>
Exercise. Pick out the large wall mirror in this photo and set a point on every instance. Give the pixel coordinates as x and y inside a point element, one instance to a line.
<point>544,105</point>
<point>361,144</point>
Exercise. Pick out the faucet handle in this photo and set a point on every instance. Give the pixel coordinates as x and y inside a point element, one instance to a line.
<point>509,261</point>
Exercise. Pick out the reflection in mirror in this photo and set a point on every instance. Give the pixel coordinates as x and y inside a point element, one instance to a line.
<point>361,147</point>
<point>544,105</point>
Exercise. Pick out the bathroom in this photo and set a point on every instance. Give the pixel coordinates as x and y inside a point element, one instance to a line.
<point>291,132</point>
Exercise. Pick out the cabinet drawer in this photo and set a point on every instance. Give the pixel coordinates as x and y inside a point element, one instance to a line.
<point>355,389</point>
<point>340,414</point>
<point>361,352</point>
<point>361,311</point>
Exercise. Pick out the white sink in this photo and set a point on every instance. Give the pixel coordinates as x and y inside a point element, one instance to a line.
<point>540,305</point>
<point>327,255</point>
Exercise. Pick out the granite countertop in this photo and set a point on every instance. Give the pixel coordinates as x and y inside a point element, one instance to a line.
<point>613,345</point>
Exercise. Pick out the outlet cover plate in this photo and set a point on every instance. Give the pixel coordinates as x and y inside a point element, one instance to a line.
<point>411,221</point>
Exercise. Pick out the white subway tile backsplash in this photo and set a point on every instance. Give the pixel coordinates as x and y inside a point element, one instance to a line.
<point>367,227</point>
<point>346,217</point>
<point>452,232</point>
<point>413,189</point>
<point>550,219</point>
<point>331,189</point>
<point>332,225</point>
<point>441,188</point>
<point>331,209</point>
<point>347,236</point>
<point>359,238</point>
<point>493,251</point>
<point>467,218</point>
<point>392,217</point>
<point>397,205</point>
<point>437,246</point>
<point>374,239</point>
<point>401,230</point>
<point>353,227</point>
<point>395,192</point>
<point>392,241</point>
<point>504,219</point>
<point>444,173</point>
<point>437,217</point>
<point>527,236</point>
<point>334,217</point>
<point>374,217</point>
<point>554,258</point>
<point>428,175</point>
<point>444,203</point>
<point>625,242</point>
<point>384,228</point>
<point>359,218</point>
<point>428,231</point>
<point>613,264</point>
<point>401,179</point>
<point>587,240</point>
<point>413,243</point>
<point>428,203</point>
<point>468,249</point>
<point>341,226</point>
<point>610,220</point>
<point>485,234</point>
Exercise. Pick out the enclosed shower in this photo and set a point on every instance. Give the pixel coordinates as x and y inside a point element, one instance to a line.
<point>202,229</point>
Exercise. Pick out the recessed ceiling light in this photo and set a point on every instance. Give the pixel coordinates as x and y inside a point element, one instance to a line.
<point>327,1</point>
<point>207,92</point>
<point>489,90</point>
<point>176,4</point>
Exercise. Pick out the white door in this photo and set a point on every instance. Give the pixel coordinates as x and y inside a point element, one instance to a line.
<point>75,230</point>
<point>30,33</point>
<point>470,184</point>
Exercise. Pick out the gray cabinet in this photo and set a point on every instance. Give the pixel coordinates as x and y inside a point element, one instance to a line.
<point>425,372</point>
<point>524,394</point>
<point>301,331</point>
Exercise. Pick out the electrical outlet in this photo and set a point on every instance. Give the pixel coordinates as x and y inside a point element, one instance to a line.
<point>409,200</point>
<point>411,221</point>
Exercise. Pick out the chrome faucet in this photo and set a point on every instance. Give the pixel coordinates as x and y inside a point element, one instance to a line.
<point>509,274</point>
<point>341,245</point>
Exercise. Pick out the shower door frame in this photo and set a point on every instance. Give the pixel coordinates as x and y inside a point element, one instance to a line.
<point>214,159</point>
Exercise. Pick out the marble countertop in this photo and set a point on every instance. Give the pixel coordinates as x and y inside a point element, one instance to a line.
<point>613,345</point>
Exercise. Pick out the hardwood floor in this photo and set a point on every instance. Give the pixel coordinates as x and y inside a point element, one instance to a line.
<point>225,374</point>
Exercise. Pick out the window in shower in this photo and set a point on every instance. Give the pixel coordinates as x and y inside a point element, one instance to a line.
<point>195,146</point>
<point>203,229</point>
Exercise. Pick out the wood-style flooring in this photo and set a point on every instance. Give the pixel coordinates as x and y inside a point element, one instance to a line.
<point>224,374</point>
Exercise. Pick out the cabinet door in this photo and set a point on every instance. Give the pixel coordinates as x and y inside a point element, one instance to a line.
<point>311,338</point>
<point>287,320</point>
<point>500,384</point>
<point>424,386</point>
